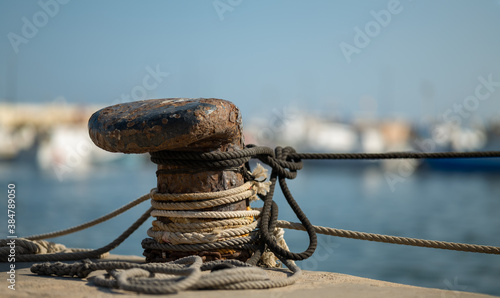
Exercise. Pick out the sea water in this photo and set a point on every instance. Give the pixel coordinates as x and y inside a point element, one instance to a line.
<point>448,206</point>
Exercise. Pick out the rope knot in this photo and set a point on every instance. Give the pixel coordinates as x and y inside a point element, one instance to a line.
<point>281,162</point>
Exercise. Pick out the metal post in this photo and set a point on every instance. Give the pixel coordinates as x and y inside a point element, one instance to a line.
<point>176,124</point>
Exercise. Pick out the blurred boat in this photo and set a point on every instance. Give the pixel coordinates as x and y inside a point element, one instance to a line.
<point>68,149</point>
<point>15,140</point>
<point>465,164</point>
<point>465,140</point>
<point>317,134</point>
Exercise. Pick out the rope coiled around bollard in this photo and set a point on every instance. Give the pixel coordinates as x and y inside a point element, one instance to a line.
<point>283,168</point>
<point>183,223</point>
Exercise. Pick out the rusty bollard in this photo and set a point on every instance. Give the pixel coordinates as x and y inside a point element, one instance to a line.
<point>177,124</point>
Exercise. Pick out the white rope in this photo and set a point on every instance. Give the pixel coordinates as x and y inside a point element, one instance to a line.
<point>182,220</point>
<point>202,226</point>
<point>196,237</point>
<point>200,195</point>
<point>181,205</point>
<point>205,214</point>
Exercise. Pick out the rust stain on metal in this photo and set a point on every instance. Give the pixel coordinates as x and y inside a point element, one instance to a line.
<point>166,124</point>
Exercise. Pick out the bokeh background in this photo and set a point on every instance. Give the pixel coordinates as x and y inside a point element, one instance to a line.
<point>323,76</point>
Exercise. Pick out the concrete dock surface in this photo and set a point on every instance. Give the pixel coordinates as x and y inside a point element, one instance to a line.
<point>311,284</point>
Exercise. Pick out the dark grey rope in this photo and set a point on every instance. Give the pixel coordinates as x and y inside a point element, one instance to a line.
<point>80,255</point>
<point>227,274</point>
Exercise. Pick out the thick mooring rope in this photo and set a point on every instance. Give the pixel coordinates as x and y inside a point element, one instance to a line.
<point>92,222</point>
<point>393,239</point>
<point>75,254</point>
<point>226,275</point>
<point>196,230</point>
<point>235,229</point>
<point>283,168</point>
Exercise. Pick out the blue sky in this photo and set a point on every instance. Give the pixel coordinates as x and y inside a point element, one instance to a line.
<point>259,54</point>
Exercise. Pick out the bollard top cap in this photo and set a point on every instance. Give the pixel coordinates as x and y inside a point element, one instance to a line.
<point>201,124</point>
